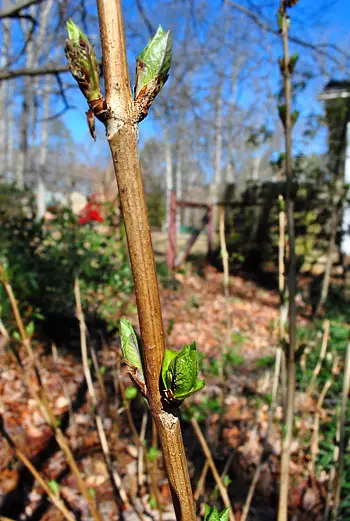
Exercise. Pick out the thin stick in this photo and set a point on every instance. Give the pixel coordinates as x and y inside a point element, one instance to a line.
<point>141,451</point>
<point>224,253</point>
<point>154,473</point>
<point>44,404</point>
<point>323,351</point>
<point>115,479</point>
<point>63,383</point>
<point>291,365</point>
<point>99,375</point>
<point>207,453</point>
<point>342,433</point>
<point>4,334</point>
<point>282,293</point>
<point>316,426</point>
<point>126,404</point>
<point>200,485</point>
<point>332,473</point>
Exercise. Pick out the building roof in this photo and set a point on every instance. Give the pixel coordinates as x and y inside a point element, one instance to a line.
<point>335,89</point>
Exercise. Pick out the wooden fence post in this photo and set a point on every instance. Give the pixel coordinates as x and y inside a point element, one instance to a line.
<point>171,254</point>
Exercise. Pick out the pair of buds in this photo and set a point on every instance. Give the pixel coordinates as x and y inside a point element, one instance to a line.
<point>152,71</point>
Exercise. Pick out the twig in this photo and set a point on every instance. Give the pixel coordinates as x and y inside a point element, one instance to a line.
<point>224,253</point>
<point>342,433</point>
<point>63,383</point>
<point>115,479</point>
<point>126,404</point>
<point>291,365</point>
<point>323,351</point>
<point>43,402</point>
<point>154,473</point>
<point>141,452</point>
<point>316,426</point>
<point>99,375</point>
<point>17,315</point>
<point>283,297</point>
<point>200,485</point>
<point>207,453</point>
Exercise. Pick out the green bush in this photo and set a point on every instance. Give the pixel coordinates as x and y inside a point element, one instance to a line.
<point>42,259</point>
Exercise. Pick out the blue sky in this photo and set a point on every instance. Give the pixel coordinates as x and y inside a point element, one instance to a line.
<point>331,24</point>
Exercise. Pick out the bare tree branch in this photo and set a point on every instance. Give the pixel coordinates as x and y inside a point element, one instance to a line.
<point>14,10</point>
<point>320,48</point>
<point>150,28</point>
<point>39,71</point>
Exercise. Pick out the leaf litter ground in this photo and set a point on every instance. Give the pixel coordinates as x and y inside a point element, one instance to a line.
<point>233,417</point>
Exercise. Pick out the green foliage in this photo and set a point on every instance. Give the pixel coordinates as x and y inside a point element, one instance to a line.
<point>54,486</point>
<point>180,373</point>
<point>200,411</point>
<point>265,361</point>
<point>153,453</point>
<point>82,62</point>
<point>212,514</point>
<point>130,393</point>
<point>153,64</point>
<point>42,260</point>
<point>230,358</point>
<point>132,351</point>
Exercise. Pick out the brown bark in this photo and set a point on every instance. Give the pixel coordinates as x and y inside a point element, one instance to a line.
<point>291,280</point>
<point>122,133</point>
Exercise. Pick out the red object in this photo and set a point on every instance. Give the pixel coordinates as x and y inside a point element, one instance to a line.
<point>91,212</point>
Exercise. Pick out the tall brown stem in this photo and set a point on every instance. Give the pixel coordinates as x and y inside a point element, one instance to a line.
<point>122,133</point>
<point>291,366</point>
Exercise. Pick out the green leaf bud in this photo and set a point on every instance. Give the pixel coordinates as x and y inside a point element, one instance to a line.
<point>152,69</point>
<point>131,352</point>
<point>212,514</point>
<point>82,62</point>
<point>180,374</point>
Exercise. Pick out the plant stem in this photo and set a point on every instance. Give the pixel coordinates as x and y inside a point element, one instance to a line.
<point>291,365</point>
<point>117,487</point>
<point>122,133</point>
<point>224,254</point>
<point>209,457</point>
<point>342,434</point>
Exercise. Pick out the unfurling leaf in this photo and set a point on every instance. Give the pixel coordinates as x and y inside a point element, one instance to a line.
<point>54,486</point>
<point>180,374</point>
<point>292,62</point>
<point>294,116</point>
<point>83,65</point>
<point>282,112</point>
<point>131,352</point>
<point>152,70</point>
<point>130,393</point>
<point>279,19</point>
<point>212,514</point>
<point>82,62</point>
